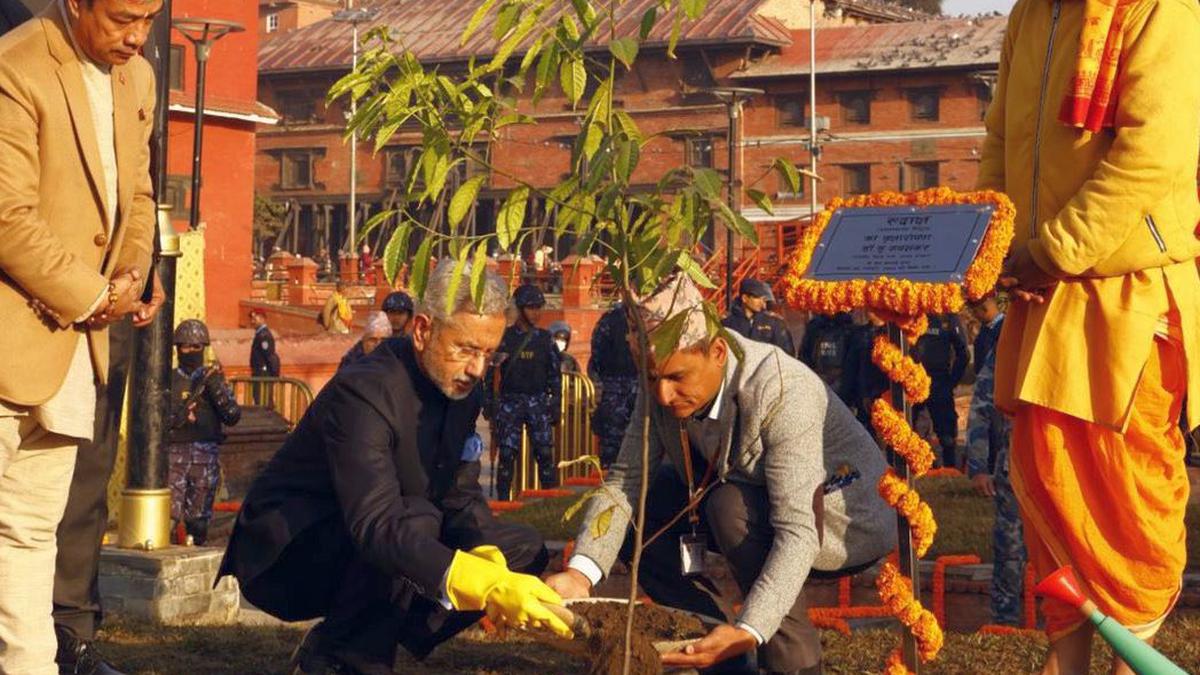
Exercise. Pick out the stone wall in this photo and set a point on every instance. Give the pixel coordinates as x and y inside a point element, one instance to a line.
<point>172,586</point>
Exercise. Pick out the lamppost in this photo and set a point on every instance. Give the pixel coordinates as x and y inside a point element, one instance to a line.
<point>354,17</point>
<point>202,33</point>
<point>733,97</point>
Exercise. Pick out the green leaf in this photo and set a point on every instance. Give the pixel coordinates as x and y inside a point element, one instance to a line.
<point>534,50</point>
<point>420,267</point>
<point>603,522</point>
<point>441,171</point>
<point>787,171</point>
<point>508,16</point>
<point>708,181</point>
<point>547,63</point>
<point>375,221</point>
<point>476,19</point>
<point>592,141</point>
<point>573,76</point>
<point>690,267</point>
<point>460,264</point>
<point>665,336</point>
<point>601,104</point>
<point>464,199</point>
<point>628,154</point>
<point>693,8</point>
<point>478,273</point>
<point>585,12</point>
<point>625,50</point>
<point>626,123</point>
<point>738,222</point>
<point>570,27</point>
<point>583,498</point>
<point>676,27</point>
<point>528,21</point>
<point>648,21</point>
<point>763,201</point>
<point>395,251</point>
<point>512,216</point>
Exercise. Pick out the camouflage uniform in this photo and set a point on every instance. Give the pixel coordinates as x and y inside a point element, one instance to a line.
<point>194,477</point>
<point>612,367</point>
<point>204,402</point>
<point>987,428</point>
<point>530,396</point>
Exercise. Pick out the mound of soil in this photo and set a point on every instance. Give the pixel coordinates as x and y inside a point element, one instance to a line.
<point>651,624</point>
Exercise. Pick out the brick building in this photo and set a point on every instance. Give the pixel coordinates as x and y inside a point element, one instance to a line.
<point>232,114</point>
<point>281,16</point>
<point>304,161</point>
<point>904,104</point>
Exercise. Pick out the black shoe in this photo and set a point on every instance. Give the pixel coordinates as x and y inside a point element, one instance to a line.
<point>77,656</point>
<point>317,656</point>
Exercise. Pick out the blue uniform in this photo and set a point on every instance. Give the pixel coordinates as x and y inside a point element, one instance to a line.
<point>612,368</point>
<point>988,428</point>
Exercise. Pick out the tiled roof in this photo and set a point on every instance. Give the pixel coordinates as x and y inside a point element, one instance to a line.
<point>932,43</point>
<point>433,30</point>
<point>220,104</point>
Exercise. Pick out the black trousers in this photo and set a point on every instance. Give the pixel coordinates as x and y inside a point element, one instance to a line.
<point>76,594</point>
<point>367,613</point>
<point>736,520</point>
<point>944,415</point>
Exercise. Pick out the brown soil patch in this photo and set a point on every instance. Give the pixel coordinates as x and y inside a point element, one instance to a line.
<point>650,624</point>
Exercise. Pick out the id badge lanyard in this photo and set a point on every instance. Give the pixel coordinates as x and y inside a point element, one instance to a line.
<point>692,547</point>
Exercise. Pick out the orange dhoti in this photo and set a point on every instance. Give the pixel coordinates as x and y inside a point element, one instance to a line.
<point>1110,504</point>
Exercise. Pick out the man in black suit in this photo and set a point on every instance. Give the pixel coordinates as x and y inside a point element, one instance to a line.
<point>371,514</point>
<point>264,361</point>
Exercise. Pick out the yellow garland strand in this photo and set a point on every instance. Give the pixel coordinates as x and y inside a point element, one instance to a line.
<point>895,664</point>
<point>906,500</point>
<point>899,436</point>
<point>902,369</point>
<point>896,592</point>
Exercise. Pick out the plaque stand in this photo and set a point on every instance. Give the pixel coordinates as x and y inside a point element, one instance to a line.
<point>907,554</point>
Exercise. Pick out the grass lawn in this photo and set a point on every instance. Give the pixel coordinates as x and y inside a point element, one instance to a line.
<point>964,519</point>
<point>139,649</point>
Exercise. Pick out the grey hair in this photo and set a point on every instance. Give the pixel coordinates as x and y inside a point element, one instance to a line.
<point>437,291</point>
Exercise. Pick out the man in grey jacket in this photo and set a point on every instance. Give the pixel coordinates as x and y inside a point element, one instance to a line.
<point>782,477</point>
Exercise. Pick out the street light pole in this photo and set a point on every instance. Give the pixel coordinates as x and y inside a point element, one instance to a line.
<point>814,147</point>
<point>202,33</point>
<point>354,17</point>
<point>733,97</point>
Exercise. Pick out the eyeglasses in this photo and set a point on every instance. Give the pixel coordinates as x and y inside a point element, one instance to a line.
<point>460,354</point>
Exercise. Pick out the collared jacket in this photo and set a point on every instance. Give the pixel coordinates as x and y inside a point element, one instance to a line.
<point>57,246</point>
<point>783,429</point>
<point>763,327</point>
<point>1111,214</point>
<point>378,458</point>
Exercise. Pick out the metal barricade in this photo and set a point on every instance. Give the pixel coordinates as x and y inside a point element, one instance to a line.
<point>285,395</point>
<point>572,438</point>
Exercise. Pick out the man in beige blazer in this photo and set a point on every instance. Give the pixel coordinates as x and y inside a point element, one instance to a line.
<point>76,226</point>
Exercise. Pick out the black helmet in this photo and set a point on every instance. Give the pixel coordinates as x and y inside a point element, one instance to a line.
<point>396,302</point>
<point>191,332</point>
<point>560,327</point>
<point>529,295</point>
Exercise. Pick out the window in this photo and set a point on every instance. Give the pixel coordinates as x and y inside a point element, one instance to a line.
<point>856,107</point>
<point>856,179</point>
<point>296,168</point>
<point>923,175</point>
<point>272,22</point>
<point>175,74</point>
<point>297,107</point>
<point>700,152</point>
<point>175,196</point>
<point>924,104</point>
<point>396,163</point>
<point>791,110</point>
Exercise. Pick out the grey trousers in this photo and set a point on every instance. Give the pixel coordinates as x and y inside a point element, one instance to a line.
<point>735,518</point>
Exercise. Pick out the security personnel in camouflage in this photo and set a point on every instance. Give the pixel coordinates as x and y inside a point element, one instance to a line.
<point>530,391</point>
<point>942,350</point>
<point>987,425</point>
<point>749,318</point>
<point>202,402</point>
<point>614,373</point>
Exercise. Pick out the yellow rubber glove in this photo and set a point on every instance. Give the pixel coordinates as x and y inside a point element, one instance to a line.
<point>479,580</point>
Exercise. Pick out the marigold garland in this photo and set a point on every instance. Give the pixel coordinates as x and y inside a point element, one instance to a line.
<point>899,435</point>
<point>844,592</point>
<point>906,500</point>
<point>895,664</point>
<point>901,296</point>
<point>901,368</point>
<point>895,590</point>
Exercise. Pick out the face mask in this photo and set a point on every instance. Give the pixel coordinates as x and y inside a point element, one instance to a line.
<point>562,345</point>
<point>191,361</point>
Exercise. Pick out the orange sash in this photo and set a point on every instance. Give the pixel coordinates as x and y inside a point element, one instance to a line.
<point>1091,100</point>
